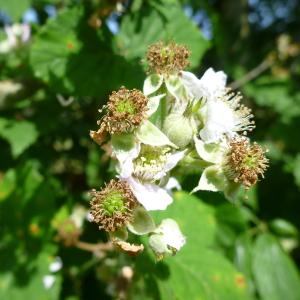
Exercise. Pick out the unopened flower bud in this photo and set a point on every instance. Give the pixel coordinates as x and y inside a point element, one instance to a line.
<point>178,129</point>
<point>167,239</point>
<point>112,207</point>
<point>167,58</point>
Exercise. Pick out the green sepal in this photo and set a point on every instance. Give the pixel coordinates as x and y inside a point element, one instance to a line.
<point>122,142</point>
<point>176,88</point>
<point>120,234</point>
<point>142,222</point>
<point>212,179</point>
<point>212,152</point>
<point>149,134</point>
<point>152,83</point>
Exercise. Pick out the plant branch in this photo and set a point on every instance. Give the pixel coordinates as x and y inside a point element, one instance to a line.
<point>263,66</point>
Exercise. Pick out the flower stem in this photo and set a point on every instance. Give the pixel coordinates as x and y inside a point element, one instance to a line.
<point>94,247</point>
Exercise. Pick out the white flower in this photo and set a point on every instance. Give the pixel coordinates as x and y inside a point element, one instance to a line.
<point>232,163</point>
<point>167,238</point>
<point>48,281</point>
<point>16,34</point>
<point>221,111</point>
<point>150,164</point>
<point>225,115</point>
<point>56,265</point>
<point>209,86</point>
<point>145,159</point>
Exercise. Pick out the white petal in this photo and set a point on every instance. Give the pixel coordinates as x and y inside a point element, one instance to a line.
<point>151,196</point>
<point>219,119</point>
<point>192,84</point>
<point>125,158</point>
<point>172,161</point>
<point>213,82</point>
<point>172,183</point>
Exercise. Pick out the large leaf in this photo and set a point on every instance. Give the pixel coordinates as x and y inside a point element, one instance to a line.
<point>14,8</point>
<point>33,287</point>
<point>19,134</point>
<point>74,59</point>
<point>197,271</point>
<point>7,184</point>
<point>276,95</point>
<point>275,274</point>
<point>151,24</point>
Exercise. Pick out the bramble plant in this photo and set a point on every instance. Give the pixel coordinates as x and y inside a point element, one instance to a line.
<point>149,149</point>
<point>177,118</point>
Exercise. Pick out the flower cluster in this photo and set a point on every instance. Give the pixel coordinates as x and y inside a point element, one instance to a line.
<point>176,119</point>
<point>17,34</point>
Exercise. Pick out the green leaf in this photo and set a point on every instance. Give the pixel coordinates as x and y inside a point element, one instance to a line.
<point>243,258</point>
<point>30,178</point>
<point>197,271</point>
<point>151,24</point>
<point>276,95</point>
<point>14,8</point>
<point>20,134</point>
<point>11,289</point>
<point>296,169</point>
<point>275,274</point>
<point>7,184</point>
<point>75,59</point>
<point>283,228</point>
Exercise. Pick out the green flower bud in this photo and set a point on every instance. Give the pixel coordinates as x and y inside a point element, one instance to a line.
<point>178,129</point>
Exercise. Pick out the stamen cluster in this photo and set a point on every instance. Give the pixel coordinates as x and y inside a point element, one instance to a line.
<point>150,162</point>
<point>246,162</point>
<point>126,109</point>
<point>167,58</point>
<point>111,207</point>
<point>243,114</point>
